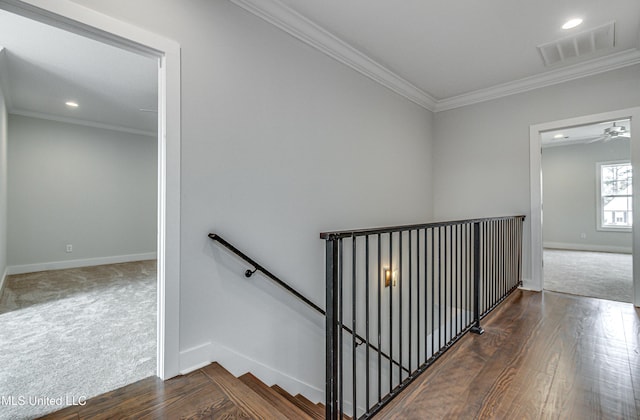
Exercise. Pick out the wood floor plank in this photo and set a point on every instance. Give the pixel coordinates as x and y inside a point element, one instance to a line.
<point>138,397</point>
<point>543,355</point>
<point>240,394</point>
<point>207,402</point>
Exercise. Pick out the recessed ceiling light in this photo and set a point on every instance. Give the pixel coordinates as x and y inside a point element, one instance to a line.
<point>71,104</point>
<point>572,23</point>
<point>558,136</point>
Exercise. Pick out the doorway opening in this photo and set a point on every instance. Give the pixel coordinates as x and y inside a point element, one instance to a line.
<point>588,210</point>
<point>81,21</point>
<point>605,212</point>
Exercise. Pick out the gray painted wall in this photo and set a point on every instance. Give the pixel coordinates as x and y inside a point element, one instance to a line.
<point>570,196</point>
<point>68,184</point>
<point>279,143</point>
<point>3,181</point>
<point>483,149</point>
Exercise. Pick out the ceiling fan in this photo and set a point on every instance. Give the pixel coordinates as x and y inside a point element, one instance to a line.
<point>613,132</point>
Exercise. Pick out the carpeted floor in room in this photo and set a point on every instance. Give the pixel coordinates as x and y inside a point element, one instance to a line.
<point>595,274</point>
<point>71,334</point>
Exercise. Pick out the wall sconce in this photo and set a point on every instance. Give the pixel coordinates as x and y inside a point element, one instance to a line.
<point>389,277</point>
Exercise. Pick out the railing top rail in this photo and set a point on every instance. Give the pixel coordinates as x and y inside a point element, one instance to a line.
<point>332,236</point>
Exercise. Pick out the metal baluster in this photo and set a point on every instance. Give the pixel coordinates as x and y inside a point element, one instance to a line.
<point>354,325</point>
<point>340,318</point>
<point>366,292</point>
<point>400,269</point>
<point>410,297</point>
<point>458,280</point>
<point>418,330</point>
<point>451,283</point>
<point>443,241</point>
<point>391,312</point>
<point>379,320</point>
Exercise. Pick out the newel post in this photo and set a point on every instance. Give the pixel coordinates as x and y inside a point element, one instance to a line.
<point>332,331</point>
<point>477,329</point>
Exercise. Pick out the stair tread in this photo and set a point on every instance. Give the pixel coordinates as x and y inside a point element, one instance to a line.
<point>314,412</point>
<point>241,395</point>
<point>278,401</point>
<point>312,406</point>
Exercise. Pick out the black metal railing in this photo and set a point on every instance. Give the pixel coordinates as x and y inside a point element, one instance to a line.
<point>409,292</point>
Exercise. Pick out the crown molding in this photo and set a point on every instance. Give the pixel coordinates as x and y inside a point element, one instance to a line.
<point>565,74</point>
<point>78,121</point>
<point>290,21</point>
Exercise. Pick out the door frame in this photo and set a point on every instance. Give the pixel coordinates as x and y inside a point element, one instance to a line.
<point>89,23</point>
<point>535,166</point>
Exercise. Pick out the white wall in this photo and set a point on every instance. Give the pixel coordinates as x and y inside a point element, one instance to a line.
<point>484,149</point>
<point>279,143</point>
<point>3,180</point>
<point>570,196</point>
<point>68,184</point>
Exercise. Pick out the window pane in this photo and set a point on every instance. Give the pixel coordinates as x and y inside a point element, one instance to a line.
<point>616,195</point>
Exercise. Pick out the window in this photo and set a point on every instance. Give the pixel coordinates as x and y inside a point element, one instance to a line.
<point>615,211</point>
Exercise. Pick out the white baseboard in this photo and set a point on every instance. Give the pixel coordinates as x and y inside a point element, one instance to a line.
<point>239,364</point>
<point>195,358</point>
<point>589,247</point>
<point>527,284</point>
<point>87,262</point>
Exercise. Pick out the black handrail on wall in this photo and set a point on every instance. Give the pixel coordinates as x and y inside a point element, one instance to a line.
<point>275,279</point>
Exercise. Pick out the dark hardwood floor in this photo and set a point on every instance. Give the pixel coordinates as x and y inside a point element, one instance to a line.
<point>542,356</point>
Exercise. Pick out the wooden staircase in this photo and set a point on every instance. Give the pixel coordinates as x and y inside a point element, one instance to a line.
<point>208,393</point>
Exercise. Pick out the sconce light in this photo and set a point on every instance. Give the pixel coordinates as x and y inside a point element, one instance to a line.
<point>389,277</point>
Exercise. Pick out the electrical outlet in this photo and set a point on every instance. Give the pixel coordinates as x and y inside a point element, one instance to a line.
<point>583,235</point>
<point>69,248</point>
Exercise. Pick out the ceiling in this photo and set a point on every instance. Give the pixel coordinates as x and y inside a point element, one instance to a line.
<point>441,55</point>
<point>457,52</point>
<point>44,67</point>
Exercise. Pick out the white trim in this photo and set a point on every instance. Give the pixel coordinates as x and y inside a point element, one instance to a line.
<point>526,281</point>
<point>87,22</point>
<point>4,83</point>
<point>78,121</point>
<point>239,364</point>
<point>535,168</point>
<point>293,23</point>
<point>85,262</point>
<point>589,247</point>
<point>195,358</point>
<point>3,279</point>
<point>553,77</point>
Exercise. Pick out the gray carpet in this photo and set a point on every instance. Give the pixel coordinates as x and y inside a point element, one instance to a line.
<point>71,334</point>
<point>595,274</point>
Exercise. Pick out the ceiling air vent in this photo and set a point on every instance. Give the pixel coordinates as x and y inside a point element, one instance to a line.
<point>579,44</point>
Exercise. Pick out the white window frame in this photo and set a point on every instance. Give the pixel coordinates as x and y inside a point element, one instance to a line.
<point>599,209</point>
